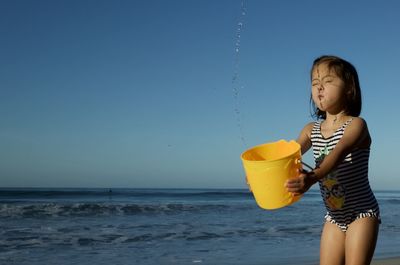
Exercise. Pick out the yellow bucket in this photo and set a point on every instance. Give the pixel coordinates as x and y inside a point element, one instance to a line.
<point>267,168</point>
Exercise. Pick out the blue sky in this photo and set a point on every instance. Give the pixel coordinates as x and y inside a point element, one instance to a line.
<point>139,94</point>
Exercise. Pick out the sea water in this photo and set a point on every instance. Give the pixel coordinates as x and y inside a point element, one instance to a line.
<point>166,226</point>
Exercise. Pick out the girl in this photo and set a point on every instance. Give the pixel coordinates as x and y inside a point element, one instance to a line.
<point>341,143</point>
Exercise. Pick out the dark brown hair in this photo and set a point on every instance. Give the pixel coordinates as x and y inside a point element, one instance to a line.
<point>348,73</point>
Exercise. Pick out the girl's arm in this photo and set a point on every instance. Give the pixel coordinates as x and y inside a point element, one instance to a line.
<point>355,136</point>
<point>304,138</point>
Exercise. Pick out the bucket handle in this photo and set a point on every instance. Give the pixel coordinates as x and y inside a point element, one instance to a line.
<point>304,164</point>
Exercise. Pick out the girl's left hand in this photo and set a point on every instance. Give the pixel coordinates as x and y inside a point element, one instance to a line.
<point>301,184</point>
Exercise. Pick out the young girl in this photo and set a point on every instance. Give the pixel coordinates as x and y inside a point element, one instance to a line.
<point>341,144</point>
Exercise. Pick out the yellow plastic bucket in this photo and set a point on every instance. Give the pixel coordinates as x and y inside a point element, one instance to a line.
<point>267,168</point>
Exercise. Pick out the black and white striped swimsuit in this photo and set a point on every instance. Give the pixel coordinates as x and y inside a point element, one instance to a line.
<point>345,190</point>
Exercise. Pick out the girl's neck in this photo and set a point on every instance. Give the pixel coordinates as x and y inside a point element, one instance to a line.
<point>336,119</point>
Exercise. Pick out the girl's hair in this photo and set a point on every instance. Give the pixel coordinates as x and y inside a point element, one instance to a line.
<point>348,73</point>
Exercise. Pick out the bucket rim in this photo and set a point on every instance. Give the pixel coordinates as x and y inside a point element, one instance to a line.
<point>278,159</point>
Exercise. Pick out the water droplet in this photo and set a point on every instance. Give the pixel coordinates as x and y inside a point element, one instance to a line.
<point>235,77</point>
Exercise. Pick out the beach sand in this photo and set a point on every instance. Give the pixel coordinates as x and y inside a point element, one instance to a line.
<point>391,261</point>
<point>381,261</point>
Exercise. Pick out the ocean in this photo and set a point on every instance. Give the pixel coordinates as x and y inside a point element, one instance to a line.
<point>168,226</point>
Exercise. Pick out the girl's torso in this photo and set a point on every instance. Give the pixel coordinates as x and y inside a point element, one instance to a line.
<point>345,190</point>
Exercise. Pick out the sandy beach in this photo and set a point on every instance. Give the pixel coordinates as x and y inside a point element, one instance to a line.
<point>391,261</point>
<point>382,261</point>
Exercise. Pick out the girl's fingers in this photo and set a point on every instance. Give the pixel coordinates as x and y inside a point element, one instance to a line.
<point>294,186</point>
<point>292,183</point>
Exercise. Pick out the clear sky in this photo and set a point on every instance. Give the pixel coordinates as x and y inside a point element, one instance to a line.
<point>139,94</point>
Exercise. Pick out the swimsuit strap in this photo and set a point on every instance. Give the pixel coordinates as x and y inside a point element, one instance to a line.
<point>317,126</point>
<point>347,123</point>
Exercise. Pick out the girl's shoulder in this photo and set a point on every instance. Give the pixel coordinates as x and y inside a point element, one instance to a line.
<point>358,130</point>
<point>309,126</point>
<point>357,122</point>
<point>308,129</point>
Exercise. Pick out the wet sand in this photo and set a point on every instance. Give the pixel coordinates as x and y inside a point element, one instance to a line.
<point>390,261</point>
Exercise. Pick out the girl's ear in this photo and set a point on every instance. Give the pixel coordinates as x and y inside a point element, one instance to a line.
<point>349,90</point>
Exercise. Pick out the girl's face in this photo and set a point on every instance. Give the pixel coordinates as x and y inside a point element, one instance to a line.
<point>328,89</point>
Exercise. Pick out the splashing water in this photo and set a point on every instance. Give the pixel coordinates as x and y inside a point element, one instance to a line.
<point>235,85</point>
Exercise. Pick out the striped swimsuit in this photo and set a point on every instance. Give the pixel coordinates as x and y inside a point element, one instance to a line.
<point>345,190</point>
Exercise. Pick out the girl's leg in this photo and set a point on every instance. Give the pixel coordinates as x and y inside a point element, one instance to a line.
<point>332,249</point>
<point>361,239</point>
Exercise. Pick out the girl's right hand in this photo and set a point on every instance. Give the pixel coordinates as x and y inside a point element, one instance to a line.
<point>302,183</point>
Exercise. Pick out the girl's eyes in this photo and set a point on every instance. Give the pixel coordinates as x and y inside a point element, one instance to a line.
<point>324,82</point>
